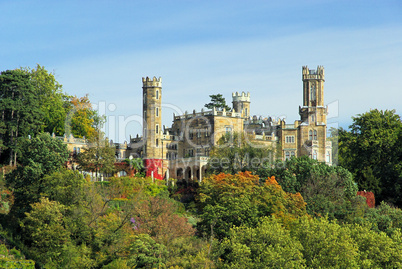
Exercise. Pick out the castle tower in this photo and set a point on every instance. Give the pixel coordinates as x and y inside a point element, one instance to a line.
<point>152,126</point>
<point>313,95</point>
<point>313,115</point>
<point>241,103</point>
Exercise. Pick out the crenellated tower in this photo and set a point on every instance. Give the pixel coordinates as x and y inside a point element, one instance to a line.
<point>313,109</point>
<point>241,103</point>
<point>152,126</point>
<point>313,116</point>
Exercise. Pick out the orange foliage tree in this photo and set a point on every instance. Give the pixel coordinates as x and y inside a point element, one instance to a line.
<point>227,200</point>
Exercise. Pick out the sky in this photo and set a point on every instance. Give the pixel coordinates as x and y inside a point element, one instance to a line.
<point>199,48</point>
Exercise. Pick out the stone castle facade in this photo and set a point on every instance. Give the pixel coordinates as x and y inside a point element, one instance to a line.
<point>182,150</point>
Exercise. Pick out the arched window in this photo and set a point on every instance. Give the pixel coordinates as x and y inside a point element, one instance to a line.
<point>287,155</point>
<point>315,135</point>
<point>292,154</point>
<point>310,135</point>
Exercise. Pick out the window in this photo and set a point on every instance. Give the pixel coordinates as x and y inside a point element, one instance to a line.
<point>312,118</point>
<point>157,142</point>
<point>315,135</point>
<point>310,135</point>
<point>157,94</point>
<point>314,155</point>
<point>228,129</point>
<point>245,112</point>
<point>287,155</point>
<point>157,128</point>
<point>157,111</point>
<point>290,139</point>
<point>312,92</point>
<point>328,157</point>
<point>292,154</point>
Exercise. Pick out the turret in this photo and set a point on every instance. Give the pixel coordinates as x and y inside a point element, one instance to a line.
<point>241,103</point>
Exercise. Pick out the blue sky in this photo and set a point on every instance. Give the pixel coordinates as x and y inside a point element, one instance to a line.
<point>104,48</point>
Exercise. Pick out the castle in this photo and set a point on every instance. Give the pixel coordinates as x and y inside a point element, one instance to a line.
<point>182,151</point>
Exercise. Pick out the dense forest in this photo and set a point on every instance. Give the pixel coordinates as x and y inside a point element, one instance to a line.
<point>294,214</point>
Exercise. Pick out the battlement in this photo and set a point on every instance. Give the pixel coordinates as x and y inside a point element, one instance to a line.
<point>243,97</point>
<point>154,82</point>
<point>313,74</point>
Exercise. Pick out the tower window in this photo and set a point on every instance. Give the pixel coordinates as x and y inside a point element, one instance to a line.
<point>310,135</point>
<point>315,135</point>
<point>246,112</point>
<point>157,94</point>
<point>312,92</point>
<point>157,128</point>
<point>157,111</point>
<point>157,142</point>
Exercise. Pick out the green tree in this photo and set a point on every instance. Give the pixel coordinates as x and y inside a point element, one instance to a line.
<point>268,245</point>
<point>14,259</point>
<point>376,249</point>
<point>42,155</point>
<point>372,151</point>
<point>218,102</point>
<point>53,102</point>
<point>234,153</point>
<point>19,111</point>
<point>327,190</point>
<point>326,244</point>
<point>44,233</point>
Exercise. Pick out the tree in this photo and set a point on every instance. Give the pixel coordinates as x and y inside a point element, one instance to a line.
<point>372,151</point>
<point>268,245</point>
<point>82,120</point>
<point>44,232</point>
<point>19,111</point>
<point>325,244</point>
<point>241,200</point>
<point>43,155</point>
<point>99,157</point>
<point>218,102</point>
<point>327,190</point>
<point>54,103</point>
<point>234,153</point>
